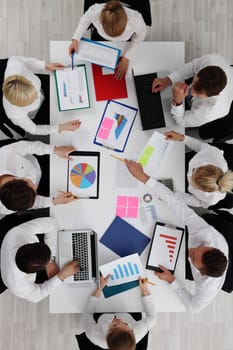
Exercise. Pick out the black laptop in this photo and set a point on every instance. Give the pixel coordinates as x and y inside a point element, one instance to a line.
<point>150,104</point>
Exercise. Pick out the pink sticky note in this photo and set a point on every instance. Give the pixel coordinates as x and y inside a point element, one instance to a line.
<point>103,134</point>
<point>132,212</point>
<point>107,123</point>
<point>133,201</point>
<point>121,211</point>
<point>122,201</point>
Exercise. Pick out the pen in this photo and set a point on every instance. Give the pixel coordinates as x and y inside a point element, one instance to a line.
<point>145,280</point>
<point>72,59</point>
<point>118,158</point>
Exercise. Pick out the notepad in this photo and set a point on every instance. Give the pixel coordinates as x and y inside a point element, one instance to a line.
<point>154,152</point>
<point>115,126</point>
<point>124,239</point>
<point>98,53</point>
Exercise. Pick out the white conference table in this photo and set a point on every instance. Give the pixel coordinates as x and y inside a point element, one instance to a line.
<point>97,214</point>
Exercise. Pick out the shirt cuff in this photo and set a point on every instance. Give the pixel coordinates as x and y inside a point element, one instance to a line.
<point>151,182</point>
<point>54,129</point>
<point>42,65</point>
<point>175,285</point>
<point>174,77</point>
<point>55,282</point>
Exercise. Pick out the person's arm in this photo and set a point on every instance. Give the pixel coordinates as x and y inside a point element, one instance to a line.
<point>191,142</point>
<point>186,71</point>
<point>50,234</point>
<point>137,37</point>
<point>29,147</point>
<point>191,200</point>
<point>85,21</point>
<point>32,63</point>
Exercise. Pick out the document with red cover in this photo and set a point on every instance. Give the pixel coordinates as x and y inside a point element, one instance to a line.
<point>106,86</point>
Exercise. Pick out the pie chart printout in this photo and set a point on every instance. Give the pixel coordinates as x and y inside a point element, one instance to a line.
<point>82,175</point>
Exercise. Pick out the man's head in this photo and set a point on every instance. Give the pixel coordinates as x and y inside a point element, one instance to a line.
<point>209,81</point>
<point>19,91</point>
<point>33,257</point>
<point>113,18</point>
<point>120,336</point>
<point>17,194</point>
<point>209,261</point>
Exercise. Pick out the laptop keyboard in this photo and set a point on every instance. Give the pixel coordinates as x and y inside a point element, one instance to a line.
<point>80,252</point>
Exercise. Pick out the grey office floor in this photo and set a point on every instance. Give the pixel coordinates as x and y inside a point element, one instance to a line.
<point>26,26</point>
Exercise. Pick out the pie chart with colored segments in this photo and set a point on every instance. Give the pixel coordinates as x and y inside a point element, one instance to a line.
<point>82,175</point>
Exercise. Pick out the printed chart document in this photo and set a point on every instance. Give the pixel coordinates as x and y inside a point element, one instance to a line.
<point>156,149</point>
<point>98,53</point>
<point>115,125</point>
<point>123,270</point>
<point>72,88</point>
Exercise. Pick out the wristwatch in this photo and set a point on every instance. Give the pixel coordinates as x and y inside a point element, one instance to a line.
<point>174,103</point>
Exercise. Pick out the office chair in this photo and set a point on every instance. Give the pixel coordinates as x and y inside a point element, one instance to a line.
<point>84,343</point>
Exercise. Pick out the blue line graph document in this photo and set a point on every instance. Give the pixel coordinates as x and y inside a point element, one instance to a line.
<point>123,270</point>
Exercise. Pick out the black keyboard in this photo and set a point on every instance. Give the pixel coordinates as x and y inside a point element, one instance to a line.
<point>80,252</point>
<point>150,104</point>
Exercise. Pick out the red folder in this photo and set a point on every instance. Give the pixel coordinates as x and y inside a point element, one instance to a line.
<point>106,86</point>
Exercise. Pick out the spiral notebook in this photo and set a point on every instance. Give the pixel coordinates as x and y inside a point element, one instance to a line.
<point>154,152</point>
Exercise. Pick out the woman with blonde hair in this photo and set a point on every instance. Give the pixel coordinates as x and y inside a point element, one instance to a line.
<point>114,22</point>
<point>22,95</point>
<point>209,179</point>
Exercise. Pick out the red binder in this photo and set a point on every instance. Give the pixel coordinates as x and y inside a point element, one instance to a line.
<point>106,86</point>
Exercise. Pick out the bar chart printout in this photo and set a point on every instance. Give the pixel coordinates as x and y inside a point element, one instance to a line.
<point>123,270</point>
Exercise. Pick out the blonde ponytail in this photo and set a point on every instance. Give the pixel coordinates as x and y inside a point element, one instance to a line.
<point>19,91</point>
<point>210,178</point>
<point>113,18</point>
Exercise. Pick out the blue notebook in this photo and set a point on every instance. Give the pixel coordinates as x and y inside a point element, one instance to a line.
<point>120,288</point>
<point>124,239</point>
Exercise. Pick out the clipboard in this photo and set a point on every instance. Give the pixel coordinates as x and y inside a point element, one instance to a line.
<point>165,247</point>
<point>72,88</point>
<point>115,126</point>
<point>83,174</point>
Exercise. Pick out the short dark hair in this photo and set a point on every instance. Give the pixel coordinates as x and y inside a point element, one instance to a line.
<point>17,195</point>
<point>118,339</point>
<point>215,263</point>
<point>211,81</point>
<point>32,257</point>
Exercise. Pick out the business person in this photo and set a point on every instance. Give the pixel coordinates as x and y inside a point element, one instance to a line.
<point>114,22</point>
<point>208,249</point>
<point>209,179</point>
<point>210,95</point>
<point>22,95</point>
<point>23,257</point>
<point>118,331</point>
<point>20,175</point>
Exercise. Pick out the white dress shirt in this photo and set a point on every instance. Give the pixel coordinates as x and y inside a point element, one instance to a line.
<point>206,155</point>
<point>21,115</point>
<point>17,160</point>
<point>200,234</point>
<point>135,28</point>
<point>203,110</point>
<point>23,284</point>
<point>97,332</point>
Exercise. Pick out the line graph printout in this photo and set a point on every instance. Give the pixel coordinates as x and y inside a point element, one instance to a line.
<point>165,246</point>
<point>123,270</point>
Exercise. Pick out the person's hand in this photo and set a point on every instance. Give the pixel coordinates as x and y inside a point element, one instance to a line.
<point>160,84</point>
<point>180,90</point>
<point>64,198</point>
<point>102,284</point>
<point>73,46</point>
<point>136,170</point>
<point>69,269</point>
<point>69,126</point>
<point>121,68</point>
<point>51,269</point>
<point>63,151</point>
<point>165,275</point>
<point>54,66</point>
<point>143,287</point>
<point>174,136</point>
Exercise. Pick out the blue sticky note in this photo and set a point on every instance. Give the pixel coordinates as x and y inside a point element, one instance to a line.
<point>124,239</point>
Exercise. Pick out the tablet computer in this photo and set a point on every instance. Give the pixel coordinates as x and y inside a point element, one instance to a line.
<point>165,247</point>
<point>83,174</point>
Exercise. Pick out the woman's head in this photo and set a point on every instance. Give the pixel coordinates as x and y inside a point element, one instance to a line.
<point>19,91</point>
<point>120,336</point>
<point>210,178</point>
<point>113,18</point>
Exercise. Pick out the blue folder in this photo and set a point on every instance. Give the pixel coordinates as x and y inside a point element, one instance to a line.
<point>124,239</point>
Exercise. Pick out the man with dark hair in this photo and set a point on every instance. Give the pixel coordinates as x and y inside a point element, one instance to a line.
<point>210,95</point>
<point>23,256</point>
<point>20,175</point>
<point>208,249</point>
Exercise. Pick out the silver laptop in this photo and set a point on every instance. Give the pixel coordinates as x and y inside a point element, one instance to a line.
<point>81,245</point>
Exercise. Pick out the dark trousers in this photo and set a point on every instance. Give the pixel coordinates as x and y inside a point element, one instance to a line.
<point>84,343</point>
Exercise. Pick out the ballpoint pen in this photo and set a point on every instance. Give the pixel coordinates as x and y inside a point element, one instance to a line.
<point>72,59</point>
<point>118,158</point>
